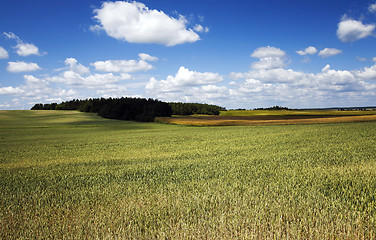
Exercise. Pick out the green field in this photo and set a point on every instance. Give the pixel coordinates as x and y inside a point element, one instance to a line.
<point>72,175</point>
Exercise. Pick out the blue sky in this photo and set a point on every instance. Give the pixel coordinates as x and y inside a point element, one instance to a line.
<point>238,54</point>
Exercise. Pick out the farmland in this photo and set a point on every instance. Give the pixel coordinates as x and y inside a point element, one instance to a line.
<point>72,175</point>
<point>267,117</point>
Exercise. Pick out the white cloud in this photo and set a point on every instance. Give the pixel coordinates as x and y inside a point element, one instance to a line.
<point>3,53</point>
<point>374,59</point>
<point>269,63</point>
<point>11,35</point>
<point>33,81</point>
<point>298,89</point>
<point>20,66</point>
<point>368,73</point>
<point>23,49</point>
<point>326,68</point>
<point>147,57</point>
<point>266,52</point>
<point>361,59</point>
<point>183,78</point>
<point>91,81</point>
<point>96,28</point>
<point>189,86</point>
<point>292,88</point>
<point>350,30</point>
<point>269,58</point>
<point>126,66</point>
<point>309,50</point>
<point>59,88</point>
<point>26,49</point>
<point>336,80</point>
<point>10,91</point>
<point>112,91</point>
<point>200,28</point>
<point>372,8</point>
<point>328,52</point>
<point>134,22</point>
<point>76,67</point>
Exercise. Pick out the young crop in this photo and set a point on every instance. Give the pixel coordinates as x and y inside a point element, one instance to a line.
<point>71,175</point>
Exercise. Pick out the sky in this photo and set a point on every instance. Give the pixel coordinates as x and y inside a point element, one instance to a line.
<point>236,54</point>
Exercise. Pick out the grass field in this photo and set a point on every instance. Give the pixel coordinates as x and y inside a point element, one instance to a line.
<point>271,117</point>
<point>72,175</point>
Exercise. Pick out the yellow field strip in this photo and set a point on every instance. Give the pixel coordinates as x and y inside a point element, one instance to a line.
<point>234,121</point>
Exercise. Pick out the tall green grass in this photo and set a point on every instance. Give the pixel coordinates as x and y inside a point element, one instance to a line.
<point>71,175</point>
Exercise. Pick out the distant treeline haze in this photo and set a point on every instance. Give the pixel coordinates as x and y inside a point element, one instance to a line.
<point>136,109</point>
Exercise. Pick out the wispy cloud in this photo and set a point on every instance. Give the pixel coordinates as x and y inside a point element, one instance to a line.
<point>22,48</point>
<point>372,8</point>
<point>3,53</point>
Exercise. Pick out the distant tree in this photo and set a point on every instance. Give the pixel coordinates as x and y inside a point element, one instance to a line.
<point>137,109</point>
<point>273,108</point>
<point>47,106</point>
<point>38,106</point>
<point>179,108</point>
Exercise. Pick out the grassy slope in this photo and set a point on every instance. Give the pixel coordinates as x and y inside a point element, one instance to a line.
<point>75,175</point>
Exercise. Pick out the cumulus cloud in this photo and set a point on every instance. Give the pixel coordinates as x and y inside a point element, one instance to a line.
<point>350,30</point>
<point>294,88</point>
<point>308,51</point>
<point>299,89</point>
<point>265,52</point>
<point>368,73</point>
<point>126,66</point>
<point>80,76</point>
<point>328,52</point>
<point>34,81</point>
<point>10,91</point>
<point>26,49</point>
<point>59,87</point>
<point>16,67</point>
<point>189,86</point>
<point>337,80</point>
<point>269,58</point>
<point>90,81</point>
<point>182,79</point>
<point>23,49</point>
<point>76,67</point>
<point>3,53</point>
<point>134,22</point>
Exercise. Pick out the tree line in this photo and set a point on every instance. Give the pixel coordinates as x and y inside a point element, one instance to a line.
<point>195,108</point>
<point>136,109</point>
